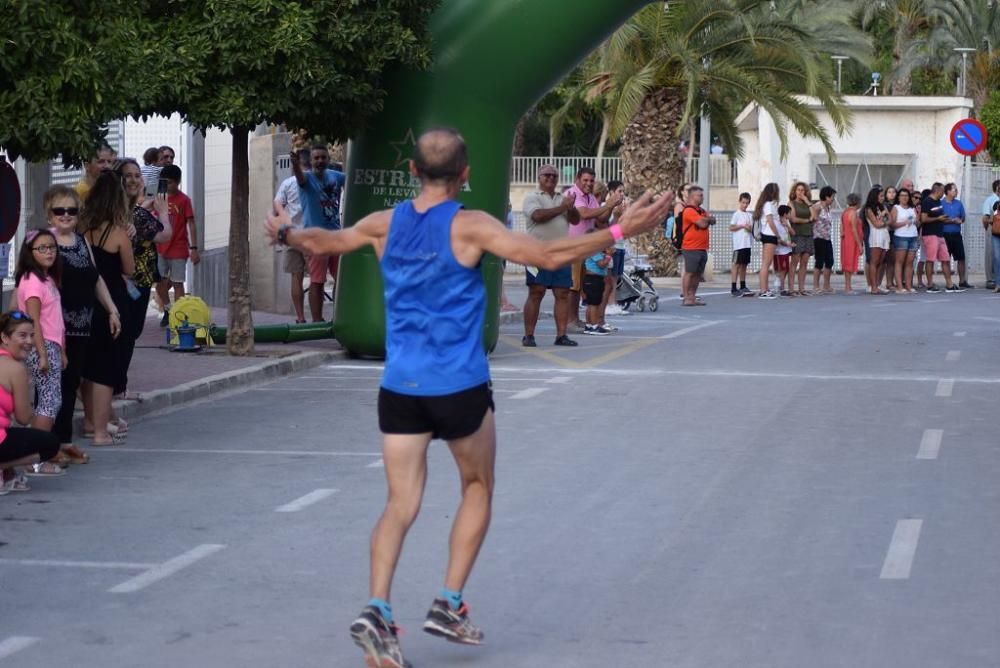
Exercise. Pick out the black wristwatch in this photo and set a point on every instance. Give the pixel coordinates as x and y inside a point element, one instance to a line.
<point>282,235</point>
<point>192,248</point>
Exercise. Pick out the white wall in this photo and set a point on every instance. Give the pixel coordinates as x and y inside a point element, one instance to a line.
<point>886,129</point>
<point>218,184</point>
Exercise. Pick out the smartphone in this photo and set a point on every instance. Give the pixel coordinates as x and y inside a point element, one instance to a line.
<point>161,188</point>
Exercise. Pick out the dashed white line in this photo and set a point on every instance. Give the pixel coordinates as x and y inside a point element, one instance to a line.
<point>559,380</point>
<point>953,356</point>
<point>305,501</point>
<point>65,563</point>
<point>378,464</point>
<point>294,453</point>
<point>692,328</point>
<point>945,387</point>
<point>14,644</point>
<point>960,334</point>
<point>930,444</point>
<point>529,393</point>
<point>166,569</point>
<point>902,548</point>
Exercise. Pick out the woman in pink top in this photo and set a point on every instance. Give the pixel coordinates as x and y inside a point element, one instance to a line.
<point>39,270</point>
<point>20,446</point>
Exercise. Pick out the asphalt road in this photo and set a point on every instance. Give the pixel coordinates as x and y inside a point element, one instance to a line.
<point>803,482</point>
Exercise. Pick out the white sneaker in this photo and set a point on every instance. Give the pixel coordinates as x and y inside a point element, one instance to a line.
<point>613,309</point>
<point>595,330</point>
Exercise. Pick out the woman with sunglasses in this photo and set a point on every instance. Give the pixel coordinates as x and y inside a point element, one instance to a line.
<point>20,446</point>
<point>104,222</point>
<point>80,288</point>
<point>37,278</point>
<point>145,230</point>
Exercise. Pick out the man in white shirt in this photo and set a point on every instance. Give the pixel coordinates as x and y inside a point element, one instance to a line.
<point>295,261</point>
<point>987,218</point>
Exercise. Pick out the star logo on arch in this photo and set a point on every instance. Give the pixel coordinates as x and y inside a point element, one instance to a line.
<point>404,148</point>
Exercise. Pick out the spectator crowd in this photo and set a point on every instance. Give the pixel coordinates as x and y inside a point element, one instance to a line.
<point>902,238</point>
<point>82,289</point>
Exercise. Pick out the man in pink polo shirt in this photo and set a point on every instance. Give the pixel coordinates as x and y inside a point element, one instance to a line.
<point>591,212</point>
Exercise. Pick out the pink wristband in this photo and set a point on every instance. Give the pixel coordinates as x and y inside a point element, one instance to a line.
<point>616,232</point>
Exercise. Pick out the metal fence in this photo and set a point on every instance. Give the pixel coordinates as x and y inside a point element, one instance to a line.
<point>524,169</point>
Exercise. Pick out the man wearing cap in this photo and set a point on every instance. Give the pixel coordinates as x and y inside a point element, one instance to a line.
<point>549,217</point>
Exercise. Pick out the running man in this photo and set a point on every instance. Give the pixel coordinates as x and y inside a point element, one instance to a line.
<point>436,382</point>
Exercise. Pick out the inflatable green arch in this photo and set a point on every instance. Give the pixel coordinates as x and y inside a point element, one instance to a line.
<point>493,59</point>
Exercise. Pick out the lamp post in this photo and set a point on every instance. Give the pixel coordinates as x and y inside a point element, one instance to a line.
<point>840,65</point>
<point>965,51</point>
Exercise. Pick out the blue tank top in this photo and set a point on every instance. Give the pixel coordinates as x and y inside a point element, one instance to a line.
<point>434,307</point>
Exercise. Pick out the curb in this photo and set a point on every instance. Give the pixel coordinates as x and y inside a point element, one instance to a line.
<point>157,400</point>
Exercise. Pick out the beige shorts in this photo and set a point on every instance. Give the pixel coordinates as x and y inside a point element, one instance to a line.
<point>295,261</point>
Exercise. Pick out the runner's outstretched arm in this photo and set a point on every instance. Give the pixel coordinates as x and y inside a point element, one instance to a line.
<point>490,235</point>
<point>369,231</point>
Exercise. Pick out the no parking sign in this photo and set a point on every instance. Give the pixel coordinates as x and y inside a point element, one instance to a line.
<point>968,137</point>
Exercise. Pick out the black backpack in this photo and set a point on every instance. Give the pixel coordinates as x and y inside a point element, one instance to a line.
<point>677,239</point>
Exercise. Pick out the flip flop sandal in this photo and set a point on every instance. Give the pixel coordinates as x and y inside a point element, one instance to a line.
<point>116,439</point>
<point>112,429</point>
<point>62,460</point>
<point>43,469</point>
<point>76,455</point>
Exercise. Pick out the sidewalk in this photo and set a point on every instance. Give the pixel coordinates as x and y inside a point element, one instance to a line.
<point>160,378</point>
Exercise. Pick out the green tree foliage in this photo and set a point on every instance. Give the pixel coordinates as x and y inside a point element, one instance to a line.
<point>63,74</point>
<point>990,117</point>
<point>234,64</point>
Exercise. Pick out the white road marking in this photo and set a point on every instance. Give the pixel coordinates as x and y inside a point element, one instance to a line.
<point>988,319</point>
<point>933,301</point>
<point>559,380</point>
<point>295,453</point>
<point>305,501</point>
<point>378,464</point>
<point>960,334</point>
<point>953,356</point>
<point>61,563</point>
<point>314,388</point>
<point>14,644</point>
<point>724,373</point>
<point>930,444</point>
<point>166,569</point>
<point>902,548</point>
<point>692,328</point>
<point>529,393</point>
<point>944,387</point>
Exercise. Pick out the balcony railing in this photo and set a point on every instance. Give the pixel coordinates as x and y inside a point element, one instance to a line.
<point>524,169</point>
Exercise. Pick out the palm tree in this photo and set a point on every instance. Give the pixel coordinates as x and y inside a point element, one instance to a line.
<point>907,20</point>
<point>962,24</point>
<point>673,61</point>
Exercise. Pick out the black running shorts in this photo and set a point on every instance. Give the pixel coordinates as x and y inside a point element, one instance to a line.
<point>449,416</point>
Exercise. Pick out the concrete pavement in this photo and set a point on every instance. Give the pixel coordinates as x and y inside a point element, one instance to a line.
<point>803,482</point>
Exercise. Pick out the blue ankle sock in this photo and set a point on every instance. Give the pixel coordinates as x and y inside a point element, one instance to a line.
<point>383,607</point>
<point>454,598</point>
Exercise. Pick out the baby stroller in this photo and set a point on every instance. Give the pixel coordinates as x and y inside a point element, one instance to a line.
<point>635,286</point>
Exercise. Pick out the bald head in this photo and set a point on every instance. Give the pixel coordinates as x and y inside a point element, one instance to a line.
<point>440,155</point>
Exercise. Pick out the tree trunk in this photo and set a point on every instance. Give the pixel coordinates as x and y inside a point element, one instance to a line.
<point>651,161</point>
<point>239,338</point>
<point>517,148</point>
<point>602,144</point>
<point>901,85</point>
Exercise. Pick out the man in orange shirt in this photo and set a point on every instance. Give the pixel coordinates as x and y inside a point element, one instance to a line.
<point>695,222</point>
